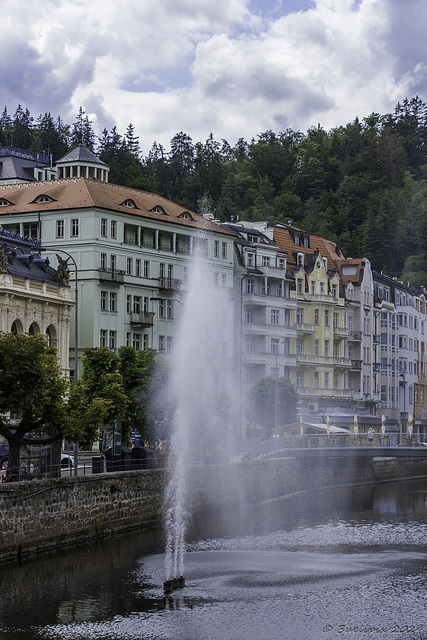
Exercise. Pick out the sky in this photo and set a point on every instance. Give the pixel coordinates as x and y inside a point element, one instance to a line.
<point>233,68</point>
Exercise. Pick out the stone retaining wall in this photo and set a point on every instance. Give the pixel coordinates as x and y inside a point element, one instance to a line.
<point>45,514</point>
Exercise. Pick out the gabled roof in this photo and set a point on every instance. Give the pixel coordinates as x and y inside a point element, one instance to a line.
<point>80,153</point>
<point>285,239</point>
<point>85,193</point>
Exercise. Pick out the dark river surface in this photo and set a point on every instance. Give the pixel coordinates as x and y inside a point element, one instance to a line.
<point>331,568</point>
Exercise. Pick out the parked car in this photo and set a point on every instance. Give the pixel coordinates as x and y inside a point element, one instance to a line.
<point>67,461</point>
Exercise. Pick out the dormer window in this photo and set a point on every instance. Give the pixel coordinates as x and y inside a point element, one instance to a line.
<point>4,202</point>
<point>42,198</point>
<point>158,209</point>
<point>186,215</point>
<point>297,240</point>
<point>300,259</point>
<point>129,203</point>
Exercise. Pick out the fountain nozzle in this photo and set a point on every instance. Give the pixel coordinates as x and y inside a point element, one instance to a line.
<point>175,583</point>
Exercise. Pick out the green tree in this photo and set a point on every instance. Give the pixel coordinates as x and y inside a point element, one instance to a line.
<point>32,391</point>
<point>137,369</point>
<point>272,403</point>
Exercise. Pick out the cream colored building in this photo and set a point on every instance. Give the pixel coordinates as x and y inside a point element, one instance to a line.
<point>31,298</point>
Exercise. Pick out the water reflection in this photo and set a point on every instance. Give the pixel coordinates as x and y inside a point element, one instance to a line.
<point>317,567</point>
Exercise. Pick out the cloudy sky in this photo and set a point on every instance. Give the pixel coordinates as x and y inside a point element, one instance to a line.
<point>231,67</point>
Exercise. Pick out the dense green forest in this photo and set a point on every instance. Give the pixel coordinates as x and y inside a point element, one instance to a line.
<point>362,185</point>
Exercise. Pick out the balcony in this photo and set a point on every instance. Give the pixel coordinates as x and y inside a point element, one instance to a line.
<point>376,339</point>
<point>142,319</point>
<point>355,336</point>
<point>304,327</point>
<point>342,362</point>
<point>111,275</point>
<point>326,393</point>
<point>306,359</point>
<point>341,332</point>
<point>356,365</point>
<point>169,284</point>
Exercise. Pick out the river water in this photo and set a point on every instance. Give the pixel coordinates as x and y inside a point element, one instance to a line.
<point>340,571</point>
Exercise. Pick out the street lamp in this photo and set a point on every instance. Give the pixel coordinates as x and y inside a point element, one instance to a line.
<point>403,422</point>
<point>76,310</point>
<point>276,371</point>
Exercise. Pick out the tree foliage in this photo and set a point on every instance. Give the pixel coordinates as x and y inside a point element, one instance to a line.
<point>32,392</point>
<point>272,403</point>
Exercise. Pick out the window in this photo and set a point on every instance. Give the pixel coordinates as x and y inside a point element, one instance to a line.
<point>169,309</point>
<point>300,347</point>
<point>113,301</point>
<point>161,270</point>
<point>128,339</point>
<point>113,229</point>
<point>326,318</point>
<point>224,250</point>
<point>137,304</point>
<point>299,379</point>
<point>146,269</point>
<point>145,341</point>
<point>103,301</point>
<point>136,341</point>
<point>250,259</point>
<point>281,263</point>
<point>334,290</point>
<point>327,348</point>
<point>128,305</point>
<point>335,320</point>
<point>249,285</point>
<point>322,287</point>
<point>137,267</point>
<point>161,308</point>
<point>103,227</point>
<point>275,345</point>
<point>113,263</point>
<point>313,287</point>
<point>316,317</point>
<point>326,380</point>
<point>316,379</point>
<point>162,344</point>
<point>29,229</point>
<point>112,340</point>
<point>59,228</point>
<point>129,265</point>
<point>274,316</point>
<point>316,347</point>
<point>169,344</point>
<point>216,249</point>
<point>265,261</point>
<point>249,315</point>
<point>299,285</point>
<point>103,262</point>
<point>103,338</point>
<point>299,316</point>
<point>74,228</point>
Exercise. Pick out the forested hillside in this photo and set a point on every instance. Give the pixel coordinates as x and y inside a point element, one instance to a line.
<point>363,185</point>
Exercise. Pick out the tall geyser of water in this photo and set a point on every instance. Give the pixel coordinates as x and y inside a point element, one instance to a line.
<point>200,389</point>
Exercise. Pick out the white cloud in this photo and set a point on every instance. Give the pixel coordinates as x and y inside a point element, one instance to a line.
<point>202,66</point>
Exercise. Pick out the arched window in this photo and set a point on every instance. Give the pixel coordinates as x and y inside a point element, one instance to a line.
<point>34,329</point>
<point>17,328</point>
<point>51,336</point>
